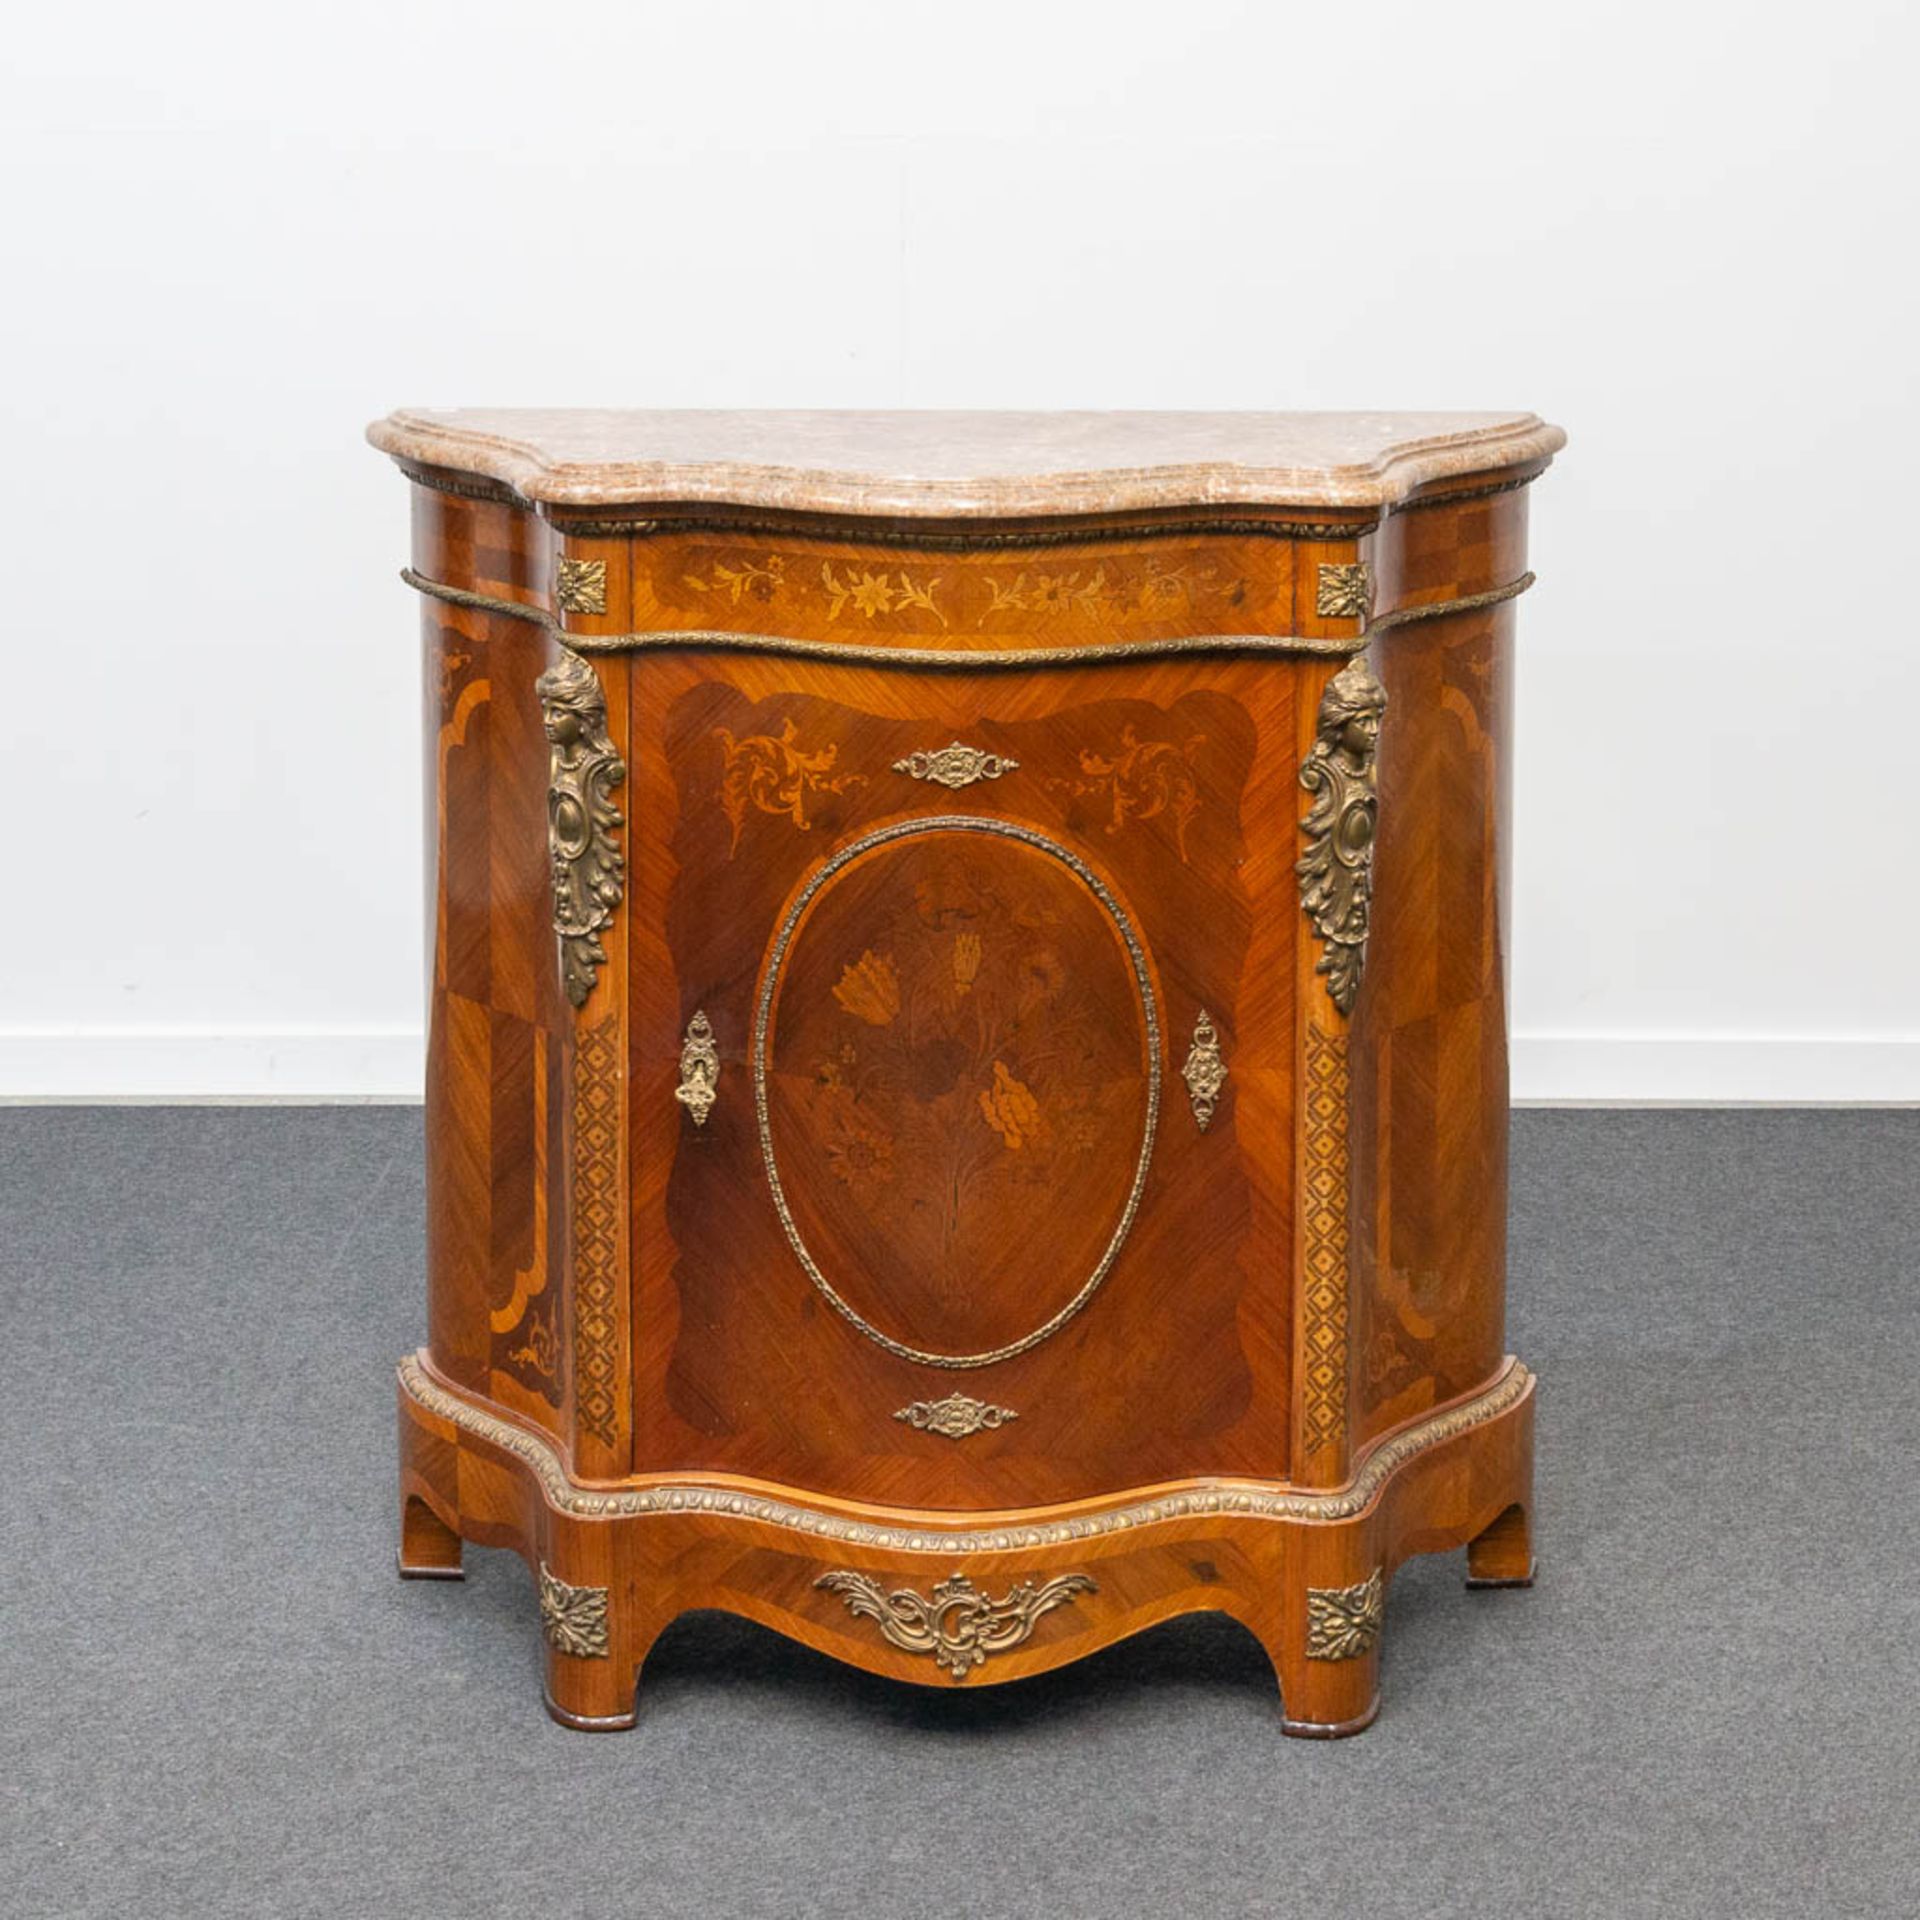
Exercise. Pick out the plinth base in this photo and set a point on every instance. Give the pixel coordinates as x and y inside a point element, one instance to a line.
<point>913,1597</point>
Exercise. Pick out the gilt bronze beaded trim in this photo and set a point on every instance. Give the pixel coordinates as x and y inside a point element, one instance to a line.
<point>1233,1501</point>
<point>955,660</point>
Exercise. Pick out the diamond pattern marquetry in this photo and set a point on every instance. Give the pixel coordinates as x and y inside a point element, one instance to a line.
<point>596,1225</point>
<point>1324,1200</point>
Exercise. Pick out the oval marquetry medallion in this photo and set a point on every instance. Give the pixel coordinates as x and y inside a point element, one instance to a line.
<point>956,1066</point>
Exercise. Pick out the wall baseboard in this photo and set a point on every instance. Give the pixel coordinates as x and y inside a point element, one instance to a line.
<point>168,1064</point>
<point>1710,1070</point>
<point>384,1064</point>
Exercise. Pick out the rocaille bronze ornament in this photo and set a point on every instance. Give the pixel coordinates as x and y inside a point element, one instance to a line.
<point>583,768</point>
<point>1336,871</point>
<point>959,1625</point>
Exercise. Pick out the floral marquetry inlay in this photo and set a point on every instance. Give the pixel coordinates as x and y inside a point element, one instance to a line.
<point>867,592</point>
<point>948,1087</point>
<point>869,989</point>
<point>926,594</point>
<point>743,579</point>
<point>1117,590</point>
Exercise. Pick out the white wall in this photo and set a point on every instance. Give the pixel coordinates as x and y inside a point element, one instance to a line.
<point>1684,232</point>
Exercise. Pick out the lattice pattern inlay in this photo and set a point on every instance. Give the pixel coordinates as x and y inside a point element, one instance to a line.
<point>596,1225</point>
<point>1324,1198</point>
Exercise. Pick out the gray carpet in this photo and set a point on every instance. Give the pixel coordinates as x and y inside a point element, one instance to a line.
<point>215,1697</point>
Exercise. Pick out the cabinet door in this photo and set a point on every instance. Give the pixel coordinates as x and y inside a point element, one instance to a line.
<point>954,1227</point>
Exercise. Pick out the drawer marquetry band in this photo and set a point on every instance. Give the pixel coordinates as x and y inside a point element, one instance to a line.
<point>958,1624</point>
<point>960,659</point>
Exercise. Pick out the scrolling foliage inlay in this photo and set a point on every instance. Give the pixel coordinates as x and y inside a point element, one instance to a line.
<point>759,774</point>
<point>1336,871</point>
<point>583,768</point>
<point>960,1626</point>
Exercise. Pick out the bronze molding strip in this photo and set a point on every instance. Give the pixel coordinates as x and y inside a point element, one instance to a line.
<point>1437,609</point>
<point>567,1495</point>
<point>461,486</point>
<point>947,659</point>
<point>987,540</point>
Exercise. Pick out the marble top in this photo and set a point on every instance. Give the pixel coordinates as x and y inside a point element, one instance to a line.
<point>965,464</point>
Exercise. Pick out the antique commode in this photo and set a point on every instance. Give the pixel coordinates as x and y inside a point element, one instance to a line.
<point>967,1063</point>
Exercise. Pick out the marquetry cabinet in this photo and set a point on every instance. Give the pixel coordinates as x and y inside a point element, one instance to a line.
<point>967,1063</point>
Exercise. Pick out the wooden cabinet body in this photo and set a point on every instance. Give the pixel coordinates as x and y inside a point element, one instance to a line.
<point>966,1095</point>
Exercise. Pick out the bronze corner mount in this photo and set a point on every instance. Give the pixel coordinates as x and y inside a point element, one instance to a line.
<point>583,768</point>
<point>1336,871</point>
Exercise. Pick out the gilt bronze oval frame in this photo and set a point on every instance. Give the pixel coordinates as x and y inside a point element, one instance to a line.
<point>762,1022</point>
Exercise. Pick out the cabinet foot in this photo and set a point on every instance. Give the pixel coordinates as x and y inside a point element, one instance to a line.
<point>1502,1556</point>
<point>590,1722</point>
<point>429,1548</point>
<point>1332,1729</point>
<point>1328,1657</point>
